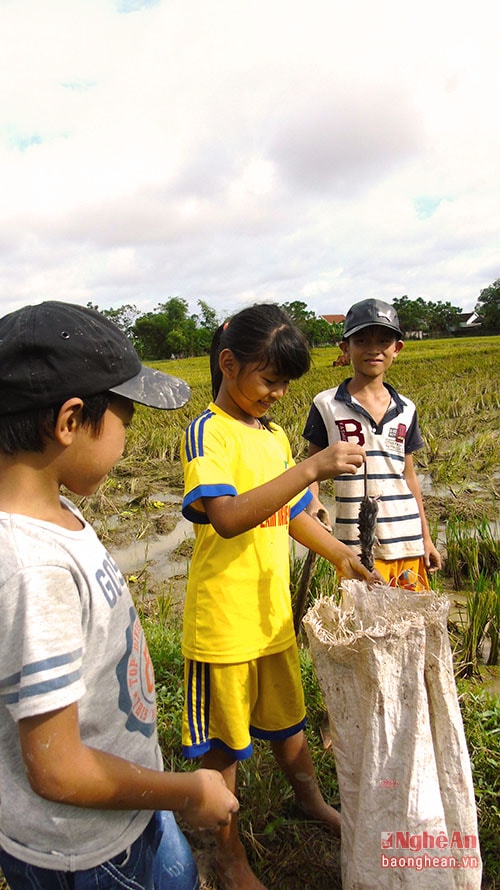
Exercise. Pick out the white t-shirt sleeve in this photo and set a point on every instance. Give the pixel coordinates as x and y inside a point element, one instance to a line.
<point>45,642</point>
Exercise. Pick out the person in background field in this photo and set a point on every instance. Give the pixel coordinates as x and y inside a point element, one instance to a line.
<point>85,803</point>
<point>245,496</point>
<point>366,411</point>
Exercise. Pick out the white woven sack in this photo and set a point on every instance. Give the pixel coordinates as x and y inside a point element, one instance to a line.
<point>384,665</point>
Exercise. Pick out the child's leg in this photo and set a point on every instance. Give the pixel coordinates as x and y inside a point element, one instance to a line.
<point>217,711</point>
<point>174,867</point>
<point>233,868</point>
<point>293,756</point>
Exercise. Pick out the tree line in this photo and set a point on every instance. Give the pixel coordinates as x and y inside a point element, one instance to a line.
<point>172,330</point>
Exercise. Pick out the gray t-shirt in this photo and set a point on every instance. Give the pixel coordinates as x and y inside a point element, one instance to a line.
<point>69,633</point>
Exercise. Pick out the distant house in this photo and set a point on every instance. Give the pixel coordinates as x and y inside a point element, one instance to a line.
<point>334,319</point>
<point>469,319</point>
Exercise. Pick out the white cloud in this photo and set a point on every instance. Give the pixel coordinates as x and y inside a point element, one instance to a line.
<point>253,150</point>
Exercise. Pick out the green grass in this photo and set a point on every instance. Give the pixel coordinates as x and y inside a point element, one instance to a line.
<point>473,563</point>
<point>477,628</point>
<point>473,551</point>
<point>481,716</point>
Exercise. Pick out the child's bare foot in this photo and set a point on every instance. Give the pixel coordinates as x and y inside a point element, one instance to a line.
<point>234,873</point>
<point>323,812</point>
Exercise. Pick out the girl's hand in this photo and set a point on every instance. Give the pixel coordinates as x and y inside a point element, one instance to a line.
<point>349,566</point>
<point>336,460</point>
<point>211,803</point>
<point>311,534</point>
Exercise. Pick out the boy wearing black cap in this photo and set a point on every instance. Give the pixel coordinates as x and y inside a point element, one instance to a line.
<point>366,411</point>
<point>84,799</point>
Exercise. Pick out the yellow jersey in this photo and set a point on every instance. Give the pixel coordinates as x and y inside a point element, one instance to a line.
<point>238,603</point>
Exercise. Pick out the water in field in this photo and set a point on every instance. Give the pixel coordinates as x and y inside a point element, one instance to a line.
<point>157,554</point>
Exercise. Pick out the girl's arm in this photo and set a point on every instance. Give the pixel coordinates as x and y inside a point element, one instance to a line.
<point>311,534</point>
<point>231,516</point>
<point>62,769</point>
<point>432,556</point>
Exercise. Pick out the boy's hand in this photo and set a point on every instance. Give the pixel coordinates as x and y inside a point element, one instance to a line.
<point>323,517</point>
<point>318,512</point>
<point>211,803</point>
<point>337,460</point>
<point>432,557</point>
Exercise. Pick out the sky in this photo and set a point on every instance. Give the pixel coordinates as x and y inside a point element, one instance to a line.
<point>237,152</point>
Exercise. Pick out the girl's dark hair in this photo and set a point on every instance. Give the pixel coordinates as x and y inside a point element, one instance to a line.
<point>29,430</point>
<point>265,335</point>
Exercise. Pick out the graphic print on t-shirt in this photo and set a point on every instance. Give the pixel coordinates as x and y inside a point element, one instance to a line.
<point>136,678</point>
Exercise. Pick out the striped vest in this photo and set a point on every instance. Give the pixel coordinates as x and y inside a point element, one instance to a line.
<point>399,528</point>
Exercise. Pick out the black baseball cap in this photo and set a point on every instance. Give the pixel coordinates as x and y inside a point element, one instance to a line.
<point>368,313</point>
<point>54,350</point>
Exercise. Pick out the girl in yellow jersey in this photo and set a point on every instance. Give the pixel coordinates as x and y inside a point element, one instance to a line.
<point>245,496</point>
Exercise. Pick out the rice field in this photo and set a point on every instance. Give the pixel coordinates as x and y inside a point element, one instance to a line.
<point>453,382</point>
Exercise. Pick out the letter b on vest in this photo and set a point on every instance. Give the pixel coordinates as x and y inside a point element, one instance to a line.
<point>350,430</point>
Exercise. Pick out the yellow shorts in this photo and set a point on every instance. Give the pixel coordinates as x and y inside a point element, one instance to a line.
<point>410,574</point>
<point>226,704</point>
